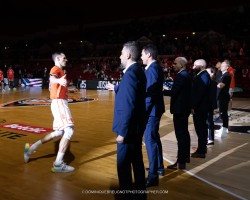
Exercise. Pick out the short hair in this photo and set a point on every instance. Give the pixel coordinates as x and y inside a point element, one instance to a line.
<point>152,49</point>
<point>200,62</point>
<point>227,61</point>
<point>54,55</point>
<point>133,48</point>
<point>183,61</point>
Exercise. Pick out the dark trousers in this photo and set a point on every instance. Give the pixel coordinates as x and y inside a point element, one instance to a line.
<point>130,155</point>
<point>11,84</point>
<point>223,106</point>
<point>153,146</point>
<point>210,124</point>
<point>182,137</point>
<point>200,125</point>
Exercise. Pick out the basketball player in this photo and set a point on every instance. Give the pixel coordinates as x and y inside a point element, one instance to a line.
<point>10,76</point>
<point>63,124</point>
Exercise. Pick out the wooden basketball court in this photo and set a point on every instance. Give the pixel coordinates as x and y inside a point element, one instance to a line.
<point>223,174</point>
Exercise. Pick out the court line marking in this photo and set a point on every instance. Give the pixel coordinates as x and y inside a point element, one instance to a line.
<point>206,164</point>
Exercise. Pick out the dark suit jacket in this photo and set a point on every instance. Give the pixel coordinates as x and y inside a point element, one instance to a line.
<point>130,111</point>
<point>224,92</point>
<point>154,95</point>
<point>201,92</point>
<point>180,102</point>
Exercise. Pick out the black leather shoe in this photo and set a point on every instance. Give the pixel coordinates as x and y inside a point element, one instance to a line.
<point>198,155</point>
<point>161,172</point>
<point>176,166</point>
<point>173,166</point>
<point>150,182</point>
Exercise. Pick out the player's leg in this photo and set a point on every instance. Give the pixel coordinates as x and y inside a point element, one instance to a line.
<point>30,148</point>
<point>59,165</point>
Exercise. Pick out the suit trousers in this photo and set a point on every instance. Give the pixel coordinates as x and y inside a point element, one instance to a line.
<point>210,123</point>
<point>153,146</point>
<point>223,107</point>
<point>182,137</point>
<point>130,155</point>
<point>200,125</point>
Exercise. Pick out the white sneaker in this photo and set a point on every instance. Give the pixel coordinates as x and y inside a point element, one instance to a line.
<point>210,142</point>
<point>222,132</point>
<point>27,152</point>
<point>62,168</point>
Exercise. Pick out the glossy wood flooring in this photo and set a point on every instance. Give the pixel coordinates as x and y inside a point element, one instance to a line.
<point>223,174</point>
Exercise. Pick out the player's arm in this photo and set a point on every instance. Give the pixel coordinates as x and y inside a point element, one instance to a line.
<point>54,80</point>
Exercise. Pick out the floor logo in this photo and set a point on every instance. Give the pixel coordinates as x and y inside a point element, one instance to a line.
<point>41,102</point>
<point>26,128</point>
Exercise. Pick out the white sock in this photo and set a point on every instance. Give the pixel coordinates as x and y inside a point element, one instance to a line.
<point>35,145</point>
<point>59,158</point>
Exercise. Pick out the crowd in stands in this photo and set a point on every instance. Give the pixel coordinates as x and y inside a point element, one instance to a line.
<point>108,68</point>
<point>97,56</point>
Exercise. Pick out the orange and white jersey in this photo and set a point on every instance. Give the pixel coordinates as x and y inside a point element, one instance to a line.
<point>58,91</point>
<point>61,113</point>
<point>1,76</point>
<point>10,74</point>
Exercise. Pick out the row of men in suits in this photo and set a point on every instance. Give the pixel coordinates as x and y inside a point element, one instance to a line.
<point>197,96</point>
<point>139,105</point>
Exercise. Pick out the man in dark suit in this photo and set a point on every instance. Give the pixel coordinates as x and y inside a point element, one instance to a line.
<point>200,106</point>
<point>155,108</point>
<point>180,107</point>
<point>130,119</point>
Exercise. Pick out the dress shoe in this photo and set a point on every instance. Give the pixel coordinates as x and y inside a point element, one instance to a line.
<point>173,166</point>
<point>176,166</point>
<point>198,155</point>
<point>150,182</point>
<point>161,172</point>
